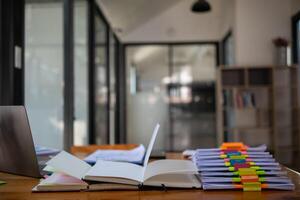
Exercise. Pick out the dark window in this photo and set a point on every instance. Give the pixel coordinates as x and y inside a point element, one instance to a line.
<point>296,37</point>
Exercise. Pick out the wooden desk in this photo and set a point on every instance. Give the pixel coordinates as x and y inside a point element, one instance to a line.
<point>19,187</point>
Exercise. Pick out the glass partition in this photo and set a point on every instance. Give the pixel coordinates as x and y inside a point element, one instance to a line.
<point>101,89</point>
<point>112,86</point>
<point>44,71</point>
<point>173,85</point>
<point>81,136</point>
<point>192,96</point>
<point>147,69</point>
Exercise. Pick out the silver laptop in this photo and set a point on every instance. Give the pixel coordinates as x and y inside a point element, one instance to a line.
<point>17,152</point>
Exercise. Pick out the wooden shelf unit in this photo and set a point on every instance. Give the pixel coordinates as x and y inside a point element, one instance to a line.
<point>254,103</point>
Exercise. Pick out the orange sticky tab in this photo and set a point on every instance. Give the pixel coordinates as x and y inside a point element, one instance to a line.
<point>238,186</point>
<point>233,146</point>
<point>249,178</point>
<point>264,185</point>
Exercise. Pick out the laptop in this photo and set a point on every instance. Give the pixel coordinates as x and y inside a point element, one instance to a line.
<point>17,152</point>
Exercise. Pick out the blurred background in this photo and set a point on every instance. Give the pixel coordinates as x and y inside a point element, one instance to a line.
<point>106,71</point>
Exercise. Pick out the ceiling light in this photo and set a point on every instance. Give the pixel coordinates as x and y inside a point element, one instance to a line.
<point>200,6</point>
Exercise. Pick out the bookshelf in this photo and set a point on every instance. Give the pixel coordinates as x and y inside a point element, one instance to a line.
<point>259,104</point>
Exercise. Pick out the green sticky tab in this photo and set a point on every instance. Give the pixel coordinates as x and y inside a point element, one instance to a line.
<point>255,167</point>
<point>260,172</point>
<point>237,157</point>
<point>262,179</point>
<point>236,173</point>
<point>251,186</point>
<point>231,169</point>
<point>2,182</point>
<point>227,164</point>
<point>236,179</point>
<point>246,171</point>
<point>223,156</point>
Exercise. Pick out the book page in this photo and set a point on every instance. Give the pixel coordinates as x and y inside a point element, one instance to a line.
<point>121,169</point>
<point>62,179</point>
<point>114,169</point>
<point>69,164</point>
<point>150,146</point>
<point>170,167</point>
<point>174,180</point>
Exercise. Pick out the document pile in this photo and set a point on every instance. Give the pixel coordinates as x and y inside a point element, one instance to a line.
<point>236,166</point>
<point>135,156</point>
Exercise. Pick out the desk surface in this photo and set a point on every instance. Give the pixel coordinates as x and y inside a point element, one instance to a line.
<point>19,187</point>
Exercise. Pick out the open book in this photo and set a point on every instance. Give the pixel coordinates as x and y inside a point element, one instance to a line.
<point>168,173</point>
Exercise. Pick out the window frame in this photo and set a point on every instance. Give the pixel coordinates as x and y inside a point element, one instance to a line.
<point>295,39</point>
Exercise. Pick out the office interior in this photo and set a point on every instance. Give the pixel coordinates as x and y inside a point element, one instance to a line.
<point>106,71</point>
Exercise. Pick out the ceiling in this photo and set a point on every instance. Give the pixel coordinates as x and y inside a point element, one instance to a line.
<point>126,15</point>
<point>161,17</point>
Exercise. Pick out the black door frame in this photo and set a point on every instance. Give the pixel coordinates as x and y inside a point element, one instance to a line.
<point>223,51</point>
<point>68,59</point>
<point>295,53</point>
<point>12,52</point>
<point>93,10</point>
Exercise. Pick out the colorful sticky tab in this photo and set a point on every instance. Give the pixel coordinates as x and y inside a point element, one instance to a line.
<point>234,154</point>
<point>262,179</point>
<point>223,156</point>
<point>237,166</point>
<point>246,171</point>
<point>2,182</point>
<point>260,172</point>
<point>250,178</point>
<point>251,186</point>
<point>239,157</point>
<point>236,179</point>
<point>255,167</point>
<point>233,146</point>
<point>231,169</point>
<point>240,161</point>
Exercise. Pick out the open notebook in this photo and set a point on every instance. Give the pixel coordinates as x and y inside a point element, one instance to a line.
<point>168,173</point>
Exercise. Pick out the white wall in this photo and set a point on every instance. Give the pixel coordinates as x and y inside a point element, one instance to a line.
<point>295,4</point>
<point>228,13</point>
<point>258,22</point>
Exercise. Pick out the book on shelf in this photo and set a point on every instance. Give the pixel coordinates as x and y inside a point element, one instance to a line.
<point>239,99</point>
<point>166,172</point>
<point>245,109</point>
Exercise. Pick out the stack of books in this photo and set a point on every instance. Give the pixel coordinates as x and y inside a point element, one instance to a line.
<point>236,166</point>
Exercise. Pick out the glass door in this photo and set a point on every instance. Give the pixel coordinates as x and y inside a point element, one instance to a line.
<point>174,85</point>
<point>81,136</point>
<point>101,119</point>
<point>44,71</point>
<point>112,86</point>
<point>192,96</point>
